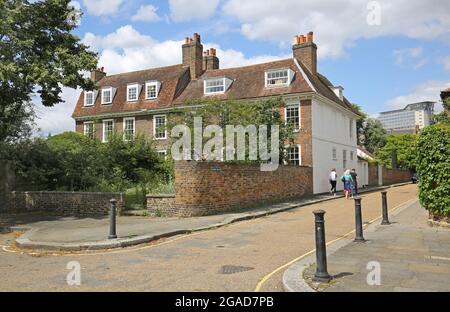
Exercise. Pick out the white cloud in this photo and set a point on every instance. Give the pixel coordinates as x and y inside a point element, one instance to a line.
<point>403,54</point>
<point>337,24</point>
<point>126,50</point>
<point>56,119</point>
<point>146,13</point>
<point>102,7</point>
<point>187,10</point>
<point>427,91</point>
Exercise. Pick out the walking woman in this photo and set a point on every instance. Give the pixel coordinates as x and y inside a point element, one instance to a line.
<point>348,184</point>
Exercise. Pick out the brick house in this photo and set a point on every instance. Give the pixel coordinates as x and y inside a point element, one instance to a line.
<point>141,101</point>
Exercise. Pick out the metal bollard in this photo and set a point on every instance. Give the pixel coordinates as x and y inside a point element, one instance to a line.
<point>321,274</point>
<point>358,221</point>
<point>112,219</point>
<point>384,205</point>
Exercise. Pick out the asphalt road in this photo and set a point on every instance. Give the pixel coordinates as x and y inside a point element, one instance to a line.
<point>232,258</point>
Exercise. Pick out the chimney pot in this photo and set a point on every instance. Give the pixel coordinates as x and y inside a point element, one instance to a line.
<point>186,40</point>
<point>302,39</point>
<point>310,36</point>
<point>306,52</point>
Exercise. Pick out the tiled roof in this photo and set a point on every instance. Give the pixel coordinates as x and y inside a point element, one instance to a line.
<point>177,88</point>
<point>171,78</point>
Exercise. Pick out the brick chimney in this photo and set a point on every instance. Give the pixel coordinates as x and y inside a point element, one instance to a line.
<point>98,74</point>
<point>305,51</point>
<point>192,51</point>
<point>210,60</point>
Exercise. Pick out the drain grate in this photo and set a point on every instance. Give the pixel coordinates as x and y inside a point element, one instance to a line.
<point>231,269</point>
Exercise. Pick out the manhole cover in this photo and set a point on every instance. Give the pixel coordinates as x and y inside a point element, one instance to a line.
<point>231,269</point>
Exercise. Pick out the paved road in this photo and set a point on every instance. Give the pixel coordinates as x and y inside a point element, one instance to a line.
<point>204,261</point>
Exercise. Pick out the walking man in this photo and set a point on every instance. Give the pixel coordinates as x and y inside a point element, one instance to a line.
<point>332,178</point>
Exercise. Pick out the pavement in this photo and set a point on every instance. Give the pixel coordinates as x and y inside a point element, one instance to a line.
<point>243,256</point>
<point>410,255</point>
<point>75,234</point>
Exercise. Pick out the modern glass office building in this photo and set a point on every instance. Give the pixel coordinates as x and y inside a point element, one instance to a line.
<point>409,118</point>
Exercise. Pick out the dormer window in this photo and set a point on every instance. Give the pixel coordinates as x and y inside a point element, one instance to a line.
<point>133,92</point>
<point>152,89</point>
<point>107,95</point>
<point>216,85</point>
<point>279,77</point>
<point>89,98</point>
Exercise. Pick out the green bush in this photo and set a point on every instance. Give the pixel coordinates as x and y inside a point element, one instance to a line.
<point>433,168</point>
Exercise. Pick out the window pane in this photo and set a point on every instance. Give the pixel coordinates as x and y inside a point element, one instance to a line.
<point>160,127</point>
<point>215,85</point>
<point>151,91</point>
<point>129,129</point>
<point>277,77</point>
<point>132,93</point>
<point>293,155</point>
<point>106,96</point>
<point>293,116</point>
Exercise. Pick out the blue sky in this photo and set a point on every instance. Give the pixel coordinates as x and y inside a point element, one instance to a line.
<point>385,54</point>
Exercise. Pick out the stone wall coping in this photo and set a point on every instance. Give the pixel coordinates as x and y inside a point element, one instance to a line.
<point>160,195</point>
<point>66,192</point>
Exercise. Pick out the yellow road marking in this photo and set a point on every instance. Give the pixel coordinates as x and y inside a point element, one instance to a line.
<point>268,276</point>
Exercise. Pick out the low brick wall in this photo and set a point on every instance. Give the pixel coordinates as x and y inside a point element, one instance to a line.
<point>392,176</point>
<point>64,203</point>
<point>204,188</point>
<point>373,175</point>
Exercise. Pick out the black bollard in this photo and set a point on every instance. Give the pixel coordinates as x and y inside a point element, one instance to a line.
<point>321,274</point>
<point>112,219</point>
<point>384,205</point>
<point>358,221</point>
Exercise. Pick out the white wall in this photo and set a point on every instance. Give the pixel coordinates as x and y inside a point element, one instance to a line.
<point>363,173</point>
<point>331,129</point>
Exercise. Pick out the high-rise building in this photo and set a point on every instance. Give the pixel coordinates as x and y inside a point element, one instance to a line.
<point>408,119</point>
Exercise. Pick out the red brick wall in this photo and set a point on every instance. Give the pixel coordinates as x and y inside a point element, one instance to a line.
<point>391,176</point>
<point>373,174</point>
<point>204,188</point>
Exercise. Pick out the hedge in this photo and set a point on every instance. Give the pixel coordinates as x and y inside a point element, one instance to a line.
<point>433,168</point>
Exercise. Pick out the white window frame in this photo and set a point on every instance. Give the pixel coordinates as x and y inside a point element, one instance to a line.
<point>163,153</point>
<point>125,119</point>
<point>344,159</point>
<point>290,76</point>
<point>111,92</point>
<point>291,105</point>
<point>157,85</point>
<point>132,86</point>
<point>104,129</point>
<point>154,127</point>
<point>299,153</point>
<point>93,98</point>
<point>85,128</point>
<point>226,84</point>
<point>350,124</point>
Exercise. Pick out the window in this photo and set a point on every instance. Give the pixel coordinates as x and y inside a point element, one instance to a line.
<point>128,129</point>
<point>107,94</point>
<point>281,77</point>
<point>293,155</point>
<point>162,154</point>
<point>334,153</point>
<point>344,159</point>
<point>89,129</point>
<point>132,92</point>
<point>108,128</point>
<point>292,116</point>
<point>152,89</point>
<point>215,86</point>
<point>159,127</point>
<point>89,98</point>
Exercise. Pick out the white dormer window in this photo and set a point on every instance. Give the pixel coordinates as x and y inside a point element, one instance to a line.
<point>133,92</point>
<point>107,95</point>
<point>152,89</point>
<point>279,77</point>
<point>216,85</point>
<point>89,98</point>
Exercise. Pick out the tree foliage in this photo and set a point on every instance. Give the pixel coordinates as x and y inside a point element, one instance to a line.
<point>404,144</point>
<point>374,135</point>
<point>360,123</point>
<point>38,54</point>
<point>433,168</point>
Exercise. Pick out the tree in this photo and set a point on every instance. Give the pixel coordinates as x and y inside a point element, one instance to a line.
<point>38,54</point>
<point>359,123</point>
<point>404,145</point>
<point>433,168</point>
<point>374,135</point>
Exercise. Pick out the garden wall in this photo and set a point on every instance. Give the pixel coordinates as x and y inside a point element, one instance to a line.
<point>204,188</point>
<point>388,176</point>
<point>64,203</point>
